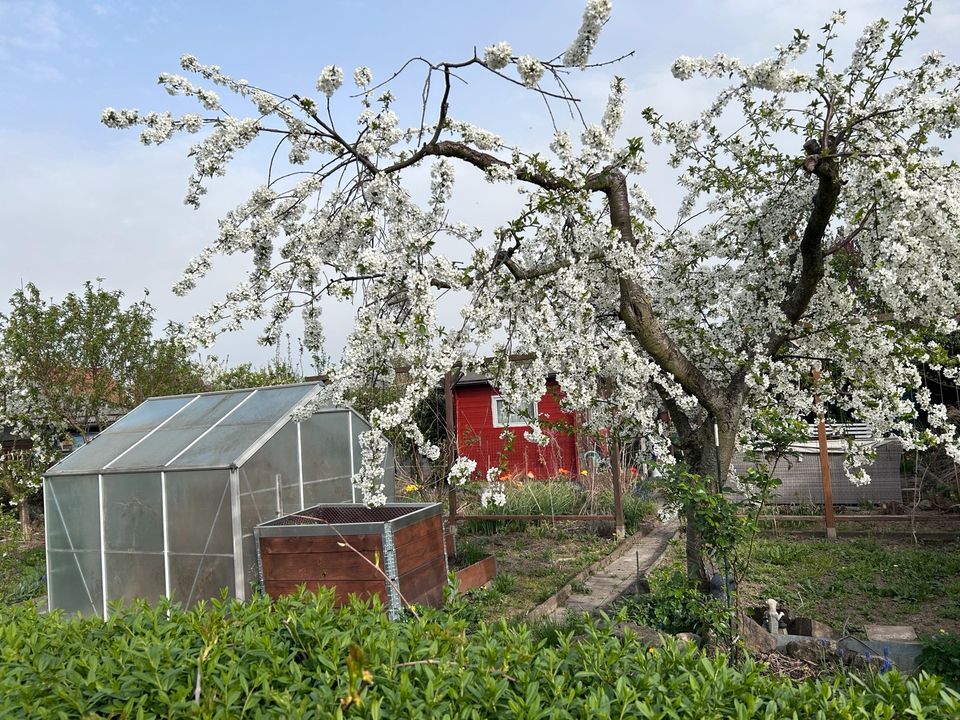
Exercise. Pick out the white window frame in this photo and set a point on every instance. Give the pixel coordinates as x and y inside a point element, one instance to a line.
<point>534,409</point>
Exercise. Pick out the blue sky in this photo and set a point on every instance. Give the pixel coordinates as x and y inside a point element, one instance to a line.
<point>79,201</point>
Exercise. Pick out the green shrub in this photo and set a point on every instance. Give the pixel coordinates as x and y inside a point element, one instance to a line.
<point>299,657</point>
<point>674,604</point>
<point>941,655</point>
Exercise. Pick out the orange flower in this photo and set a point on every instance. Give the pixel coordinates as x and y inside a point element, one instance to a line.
<point>633,471</point>
<point>529,475</point>
<point>504,477</point>
<point>563,471</point>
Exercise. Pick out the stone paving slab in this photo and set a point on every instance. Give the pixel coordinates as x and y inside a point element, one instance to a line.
<point>620,575</point>
<point>611,577</point>
<point>895,633</point>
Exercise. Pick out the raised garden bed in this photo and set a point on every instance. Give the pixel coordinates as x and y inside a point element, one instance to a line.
<point>395,551</point>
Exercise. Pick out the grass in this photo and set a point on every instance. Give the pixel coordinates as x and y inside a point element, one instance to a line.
<point>848,583</point>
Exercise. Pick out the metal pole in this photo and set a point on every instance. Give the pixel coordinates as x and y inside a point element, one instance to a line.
<point>824,466</point>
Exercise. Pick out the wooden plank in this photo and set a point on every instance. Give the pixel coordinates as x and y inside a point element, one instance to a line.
<point>321,543</point>
<point>343,589</point>
<point>344,565</point>
<point>476,575</point>
<point>542,518</point>
<point>414,554</point>
<point>412,533</point>
<point>419,584</point>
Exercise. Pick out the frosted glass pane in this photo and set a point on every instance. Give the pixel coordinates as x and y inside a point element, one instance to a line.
<point>328,490</point>
<point>259,475</point>
<point>326,446</point>
<point>75,581</point>
<point>158,449</point>
<point>134,575</point>
<point>133,512</point>
<point>269,405</point>
<point>198,512</point>
<point>221,446</point>
<point>207,410</point>
<point>256,508</point>
<point>73,513</point>
<point>194,578</point>
<point>147,416</point>
<point>93,456</point>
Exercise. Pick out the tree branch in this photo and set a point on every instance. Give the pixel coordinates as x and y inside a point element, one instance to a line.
<point>812,256</point>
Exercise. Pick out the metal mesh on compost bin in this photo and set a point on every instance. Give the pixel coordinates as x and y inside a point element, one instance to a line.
<point>343,515</point>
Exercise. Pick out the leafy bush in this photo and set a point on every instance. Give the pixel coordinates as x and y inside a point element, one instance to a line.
<point>299,657</point>
<point>674,604</point>
<point>941,655</point>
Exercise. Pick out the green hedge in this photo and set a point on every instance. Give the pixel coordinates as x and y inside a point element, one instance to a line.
<point>298,657</point>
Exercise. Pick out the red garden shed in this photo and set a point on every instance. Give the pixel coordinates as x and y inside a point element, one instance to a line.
<point>482,416</point>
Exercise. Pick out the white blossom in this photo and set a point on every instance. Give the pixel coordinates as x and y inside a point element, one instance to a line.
<point>330,80</point>
<point>530,70</point>
<point>595,14</point>
<point>362,77</point>
<point>497,57</point>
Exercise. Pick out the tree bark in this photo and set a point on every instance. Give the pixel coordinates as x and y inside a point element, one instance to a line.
<point>26,527</point>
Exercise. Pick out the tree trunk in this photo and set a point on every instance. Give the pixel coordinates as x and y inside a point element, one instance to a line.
<point>26,527</point>
<point>703,456</point>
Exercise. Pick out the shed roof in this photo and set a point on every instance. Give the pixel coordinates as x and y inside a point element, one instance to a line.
<point>198,431</point>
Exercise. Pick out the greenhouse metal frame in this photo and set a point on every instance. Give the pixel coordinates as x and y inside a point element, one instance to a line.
<point>164,502</point>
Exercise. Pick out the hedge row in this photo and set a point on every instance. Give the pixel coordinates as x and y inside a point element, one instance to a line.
<point>299,657</point>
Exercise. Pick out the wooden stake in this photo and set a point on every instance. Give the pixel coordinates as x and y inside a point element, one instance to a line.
<point>824,466</point>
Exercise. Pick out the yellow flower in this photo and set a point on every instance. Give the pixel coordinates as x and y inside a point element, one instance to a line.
<point>409,487</point>
<point>583,472</point>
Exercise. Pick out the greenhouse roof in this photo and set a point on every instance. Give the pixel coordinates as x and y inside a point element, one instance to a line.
<point>179,432</point>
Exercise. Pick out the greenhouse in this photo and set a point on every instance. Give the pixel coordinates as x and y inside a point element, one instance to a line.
<point>163,503</point>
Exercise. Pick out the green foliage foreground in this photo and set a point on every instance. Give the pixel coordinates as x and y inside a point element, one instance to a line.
<point>299,657</point>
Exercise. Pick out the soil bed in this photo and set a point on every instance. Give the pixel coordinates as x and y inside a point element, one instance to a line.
<point>532,563</point>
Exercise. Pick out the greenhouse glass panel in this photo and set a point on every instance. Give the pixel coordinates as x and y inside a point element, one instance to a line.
<point>270,403</point>
<point>133,512</point>
<point>199,516</point>
<point>221,446</point>
<point>200,577</point>
<point>150,414</point>
<point>132,576</point>
<point>158,449</point>
<point>207,410</point>
<point>75,580</point>
<point>72,519</point>
<point>72,512</point>
<point>96,454</point>
<point>327,468</point>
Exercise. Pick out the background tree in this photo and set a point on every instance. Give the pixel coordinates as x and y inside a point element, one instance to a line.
<point>71,367</point>
<point>716,314</point>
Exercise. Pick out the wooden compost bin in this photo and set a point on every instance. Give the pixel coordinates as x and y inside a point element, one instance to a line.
<point>312,547</point>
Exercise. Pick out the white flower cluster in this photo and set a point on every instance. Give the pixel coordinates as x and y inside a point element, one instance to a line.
<point>461,471</point>
<point>369,481</point>
<point>530,70</point>
<point>493,493</point>
<point>330,80</point>
<point>362,77</point>
<point>497,57</point>
<point>595,15</point>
